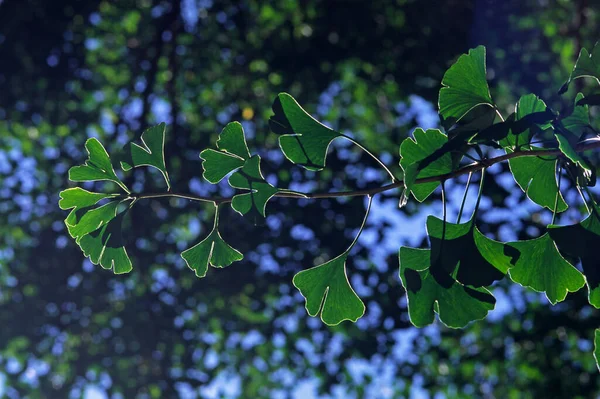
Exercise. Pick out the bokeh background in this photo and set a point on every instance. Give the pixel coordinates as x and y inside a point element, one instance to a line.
<point>70,70</point>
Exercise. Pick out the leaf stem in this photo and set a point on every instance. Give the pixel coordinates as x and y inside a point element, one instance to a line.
<point>462,205</point>
<point>559,166</point>
<point>362,226</point>
<point>389,172</point>
<point>479,194</point>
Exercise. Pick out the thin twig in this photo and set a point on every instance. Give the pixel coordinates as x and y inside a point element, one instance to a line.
<point>471,168</point>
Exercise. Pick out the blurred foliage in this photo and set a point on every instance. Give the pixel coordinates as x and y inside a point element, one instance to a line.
<point>78,69</point>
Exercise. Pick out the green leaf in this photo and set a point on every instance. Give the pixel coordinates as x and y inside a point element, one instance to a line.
<point>464,254</point>
<point>304,140</point>
<point>233,141</point>
<point>213,249</point>
<point>79,198</point>
<point>537,178</point>
<point>105,246</point>
<point>456,305</point>
<point>582,241</point>
<point>465,86</point>
<point>597,347</point>
<point>97,167</point>
<point>578,122</point>
<point>150,153</point>
<point>542,268</point>
<point>249,177</point>
<point>83,221</point>
<point>586,66</point>
<point>413,150</point>
<point>233,153</point>
<point>327,291</point>
<point>530,112</point>
<point>565,148</point>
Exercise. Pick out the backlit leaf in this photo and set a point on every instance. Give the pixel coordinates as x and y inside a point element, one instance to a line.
<point>233,153</point>
<point>456,305</point>
<point>97,167</point>
<point>536,176</point>
<point>212,250</point>
<point>542,268</point>
<point>327,291</point>
<point>415,149</point>
<point>582,241</point>
<point>586,66</point>
<point>304,140</point>
<point>150,153</point>
<point>578,122</point>
<point>105,246</point>
<point>250,177</point>
<point>465,254</point>
<point>464,86</point>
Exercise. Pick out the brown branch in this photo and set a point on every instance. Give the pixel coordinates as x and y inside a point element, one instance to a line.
<point>471,168</point>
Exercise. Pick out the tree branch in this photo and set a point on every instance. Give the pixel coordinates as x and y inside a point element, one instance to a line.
<point>471,168</point>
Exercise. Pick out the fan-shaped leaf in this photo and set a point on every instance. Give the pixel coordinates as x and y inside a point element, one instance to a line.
<point>463,253</point>
<point>79,198</point>
<point>542,268</point>
<point>85,220</point>
<point>578,122</point>
<point>304,140</point>
<point>105,246</point>
<point>249,177</point>
<point>327,291</point>
<point>566,148</point>
<point>150,153</point>
<point>464,86</point>
<point>413,150</point>
<point>456,305</point>
<point>582,241</point>
<point>536,176</point>
<point>586,66</point>
<point>212,250</point>
<point>97,167</point>
<point>233,153</point>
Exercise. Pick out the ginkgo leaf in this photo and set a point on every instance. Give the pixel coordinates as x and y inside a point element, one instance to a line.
<point>77,198</point>
<point>233,153</point>
<point>304,140</point>
<point>461,252</point>
<point>105,246</point>
<point>233,141</point>
<point>582,241</point>
<point>212,250</point>
<point>150,153</point>
<point>597,347</point>
<point>415,149</point>
<point>542,268</point>
<point>464,86</point>
<point>531,116</point>
<point>536,176</point>
<point>578,122</point>
<point>327,291</point>
<point>586,66</point>
<point>566,148</point>
<point>456,305</point>
<point>250,177</point>
<point>97,167</point>
<point>85,220</point>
